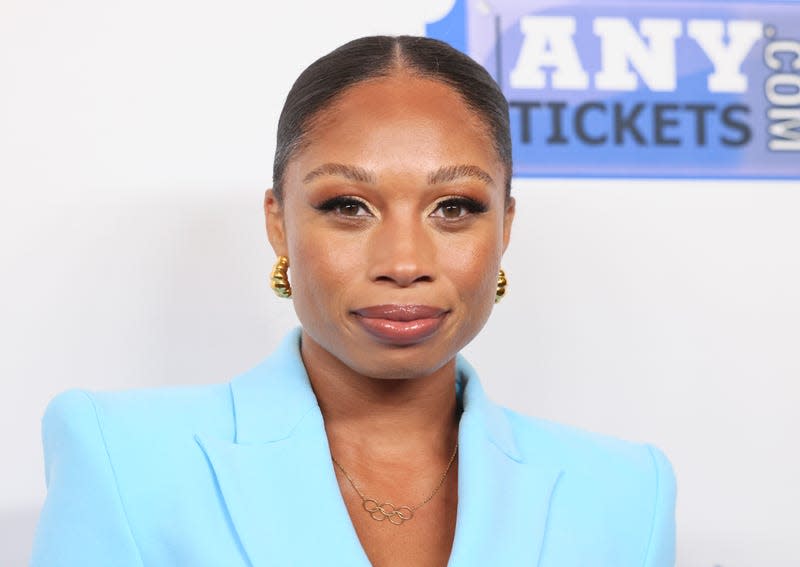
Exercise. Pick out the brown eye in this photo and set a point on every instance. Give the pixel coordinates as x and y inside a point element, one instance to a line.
<point>349,209</point>
<point>345,206</point>
<point>457,208</point>
<point>451,210</point>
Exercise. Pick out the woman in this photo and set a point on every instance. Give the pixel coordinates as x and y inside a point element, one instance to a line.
<point>364,438</point>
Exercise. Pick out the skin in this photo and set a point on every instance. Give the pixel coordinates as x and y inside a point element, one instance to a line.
<point>390,411</point>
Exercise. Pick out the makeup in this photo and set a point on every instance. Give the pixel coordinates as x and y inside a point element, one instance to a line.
<point>400,325</point>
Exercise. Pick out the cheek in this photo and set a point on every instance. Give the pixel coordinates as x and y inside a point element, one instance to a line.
<point>323,268</point>
<point>472,267</point>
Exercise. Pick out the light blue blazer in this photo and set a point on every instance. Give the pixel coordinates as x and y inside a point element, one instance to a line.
<point>240,474</point>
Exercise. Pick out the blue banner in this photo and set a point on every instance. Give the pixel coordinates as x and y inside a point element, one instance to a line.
<point>641,88</point>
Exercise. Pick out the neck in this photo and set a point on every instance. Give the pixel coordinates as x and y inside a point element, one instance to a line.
<point>383,419</point>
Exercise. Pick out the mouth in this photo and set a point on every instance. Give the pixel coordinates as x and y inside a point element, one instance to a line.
<point>400,325</point>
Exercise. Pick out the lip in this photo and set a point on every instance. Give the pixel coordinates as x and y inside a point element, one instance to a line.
<point>400,325</point>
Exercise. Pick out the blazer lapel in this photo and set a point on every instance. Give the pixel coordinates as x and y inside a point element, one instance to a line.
<point>280,490</point>
<point>503,501</point>
<point>276,477</point>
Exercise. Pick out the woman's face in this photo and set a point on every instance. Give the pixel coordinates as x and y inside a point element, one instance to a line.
<point>394,219</point>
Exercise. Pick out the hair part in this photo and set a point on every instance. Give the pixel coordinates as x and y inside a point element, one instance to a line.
<point>327,78</point>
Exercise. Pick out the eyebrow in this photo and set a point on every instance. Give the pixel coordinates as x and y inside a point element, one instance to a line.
<point>445,174</point>
<point>348,171</point>
<point>449,173</point>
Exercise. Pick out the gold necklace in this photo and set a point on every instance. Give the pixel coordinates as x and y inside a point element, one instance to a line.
<point>387,511</point>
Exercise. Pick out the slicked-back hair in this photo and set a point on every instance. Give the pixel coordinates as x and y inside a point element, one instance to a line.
<point>319,85</point>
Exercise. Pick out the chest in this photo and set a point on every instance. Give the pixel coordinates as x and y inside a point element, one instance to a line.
<point>424,540</point>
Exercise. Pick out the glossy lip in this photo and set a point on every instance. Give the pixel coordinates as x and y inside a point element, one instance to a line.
<point>400,325</point>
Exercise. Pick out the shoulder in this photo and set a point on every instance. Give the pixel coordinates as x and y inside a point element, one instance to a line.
<point>116,463</point>
<point>572,446</point>
<point>196,408</point>
<point>609,490</point>
<point>141,444</point>
<point>138,422</point>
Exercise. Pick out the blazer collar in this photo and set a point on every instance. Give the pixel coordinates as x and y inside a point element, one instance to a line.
<point>280,490</point>
<point>271,399</point>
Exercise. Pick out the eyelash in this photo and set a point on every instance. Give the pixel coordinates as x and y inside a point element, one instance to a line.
<point>335,203</point>
<point>471,206</point>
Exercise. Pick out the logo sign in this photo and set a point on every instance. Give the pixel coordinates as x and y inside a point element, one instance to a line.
<point>641,88</point>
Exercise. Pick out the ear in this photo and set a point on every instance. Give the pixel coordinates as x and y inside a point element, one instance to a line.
<point>276,227</point>
<point>508,219</point>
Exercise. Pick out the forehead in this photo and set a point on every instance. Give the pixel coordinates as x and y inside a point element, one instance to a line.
<point>400,121</point>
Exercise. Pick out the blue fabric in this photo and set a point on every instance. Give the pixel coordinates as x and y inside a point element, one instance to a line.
<point>240,475</point>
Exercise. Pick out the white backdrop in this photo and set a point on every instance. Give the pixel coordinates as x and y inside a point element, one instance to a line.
<point>136,140</point>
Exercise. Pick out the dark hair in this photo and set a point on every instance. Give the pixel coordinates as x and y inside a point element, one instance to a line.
<point>378,56</point>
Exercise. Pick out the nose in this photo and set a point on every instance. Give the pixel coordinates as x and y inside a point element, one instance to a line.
<point>402,252</point>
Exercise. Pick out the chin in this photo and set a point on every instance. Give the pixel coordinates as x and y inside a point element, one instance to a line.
<point>390,371</point>
<point>374,358</point>
<point>386,362</point>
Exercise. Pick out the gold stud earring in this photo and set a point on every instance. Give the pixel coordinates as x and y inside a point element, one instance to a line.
<point>279,279</point>
<point>501,286</point>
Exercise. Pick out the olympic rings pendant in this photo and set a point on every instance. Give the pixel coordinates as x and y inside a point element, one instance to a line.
<point>387,511</point>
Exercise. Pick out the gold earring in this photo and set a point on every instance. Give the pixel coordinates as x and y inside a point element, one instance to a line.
<point>501,286</point>
<point>279,279</point>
